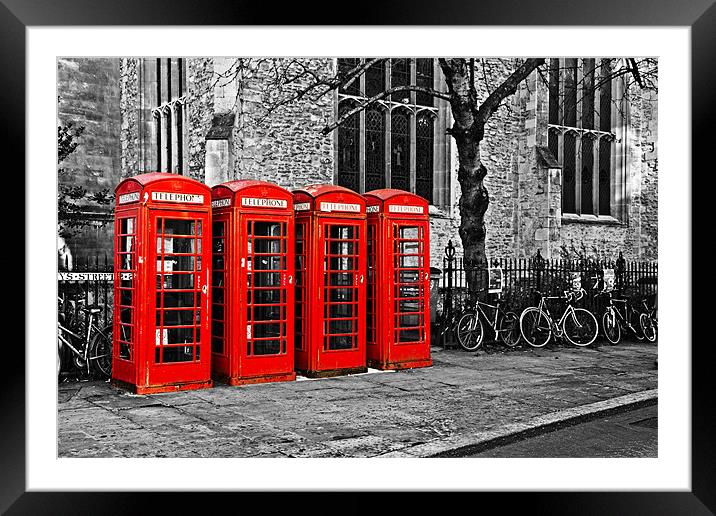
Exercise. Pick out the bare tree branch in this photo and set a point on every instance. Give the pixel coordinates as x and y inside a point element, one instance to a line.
<point>507,88</point>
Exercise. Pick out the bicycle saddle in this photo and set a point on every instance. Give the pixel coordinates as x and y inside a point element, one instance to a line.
<point>93,309</point>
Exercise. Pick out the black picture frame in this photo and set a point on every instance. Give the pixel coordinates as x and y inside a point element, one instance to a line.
<point>17,15</point>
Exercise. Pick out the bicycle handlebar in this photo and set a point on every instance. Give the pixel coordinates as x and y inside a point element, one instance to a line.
<point>568,294</point>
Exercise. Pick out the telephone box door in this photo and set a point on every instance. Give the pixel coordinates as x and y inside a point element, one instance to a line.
<point>410,284</point>
<point>265,283</point>
<point>342,278</point>
<point>179,257</point>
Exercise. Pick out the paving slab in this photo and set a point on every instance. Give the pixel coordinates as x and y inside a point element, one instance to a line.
<point>463,399</point>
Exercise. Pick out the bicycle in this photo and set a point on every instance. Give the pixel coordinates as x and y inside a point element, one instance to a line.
<point>648,320</point>
<point>621,314</point>
<point>471,332</point>
<point>449,325</point>
<point>577,325</point>
<point>91,346</point>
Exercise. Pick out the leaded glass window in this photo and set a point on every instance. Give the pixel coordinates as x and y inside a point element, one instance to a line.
<point>395,137</point>
<point>424,156</point>
<point>374,148</point>
<point>588,94</point>
<point>605,98</point>
<point>605,159</point>
<point>375,79</point>
<point>344,67</point>
<point>348,149</point>
<point>581,133</point>
<point>570,93</point>
<point>587,174</point>
<point>568,173</point>
<point>424,78</point>
<point>554,92</point>
<point>400,76</point>
<point>400,150</point>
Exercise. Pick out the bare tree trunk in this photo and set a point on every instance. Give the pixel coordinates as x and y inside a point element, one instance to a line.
<point>474,202</point>
<point>468,131</point>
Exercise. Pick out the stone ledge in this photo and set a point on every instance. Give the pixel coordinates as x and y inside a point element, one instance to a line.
<point>439,213</point>
<point>591,219</point>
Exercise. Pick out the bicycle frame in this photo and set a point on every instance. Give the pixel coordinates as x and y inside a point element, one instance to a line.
<point>622,317</point>
<point>497,308</point>
<point>63,331</point>
<point>558,327</point>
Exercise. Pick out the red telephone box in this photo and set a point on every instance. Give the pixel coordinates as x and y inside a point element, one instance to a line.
<point>162,253</point>
<point>330,280</point>
<point>398,333</point>
<point>252,283</point>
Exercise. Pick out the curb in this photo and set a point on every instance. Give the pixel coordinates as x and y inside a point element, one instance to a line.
<point>462,445</point>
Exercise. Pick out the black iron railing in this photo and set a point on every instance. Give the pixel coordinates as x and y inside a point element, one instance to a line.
<point>461,282</point>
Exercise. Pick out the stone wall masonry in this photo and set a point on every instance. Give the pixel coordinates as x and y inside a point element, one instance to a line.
<point>200,111</point>
<point>129,108</point>
<point>286,147</point>
<point>534,226</point>
<point>649,206</point>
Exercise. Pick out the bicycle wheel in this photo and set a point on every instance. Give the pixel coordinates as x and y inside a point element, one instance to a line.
<point>580,327</point>
<point>535,327</point>
<point>610,326</point>
<point>647,325</point>
<point>636,330</point>
<point>59,357</point>
<point>100,352</point>
<point>510,329</point>
<point>469,331</point>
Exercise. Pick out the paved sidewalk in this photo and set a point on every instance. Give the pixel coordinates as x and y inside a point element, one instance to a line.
<point>463,400</point>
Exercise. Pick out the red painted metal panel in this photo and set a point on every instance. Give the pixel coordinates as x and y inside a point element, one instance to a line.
<point>399,253</point>
<point>162,262</point>
<point>253,281</point>
<point>331,280</point>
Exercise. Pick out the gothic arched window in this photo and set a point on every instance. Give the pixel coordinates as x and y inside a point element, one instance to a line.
<point>394,139</point>
<point>582,133</point>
